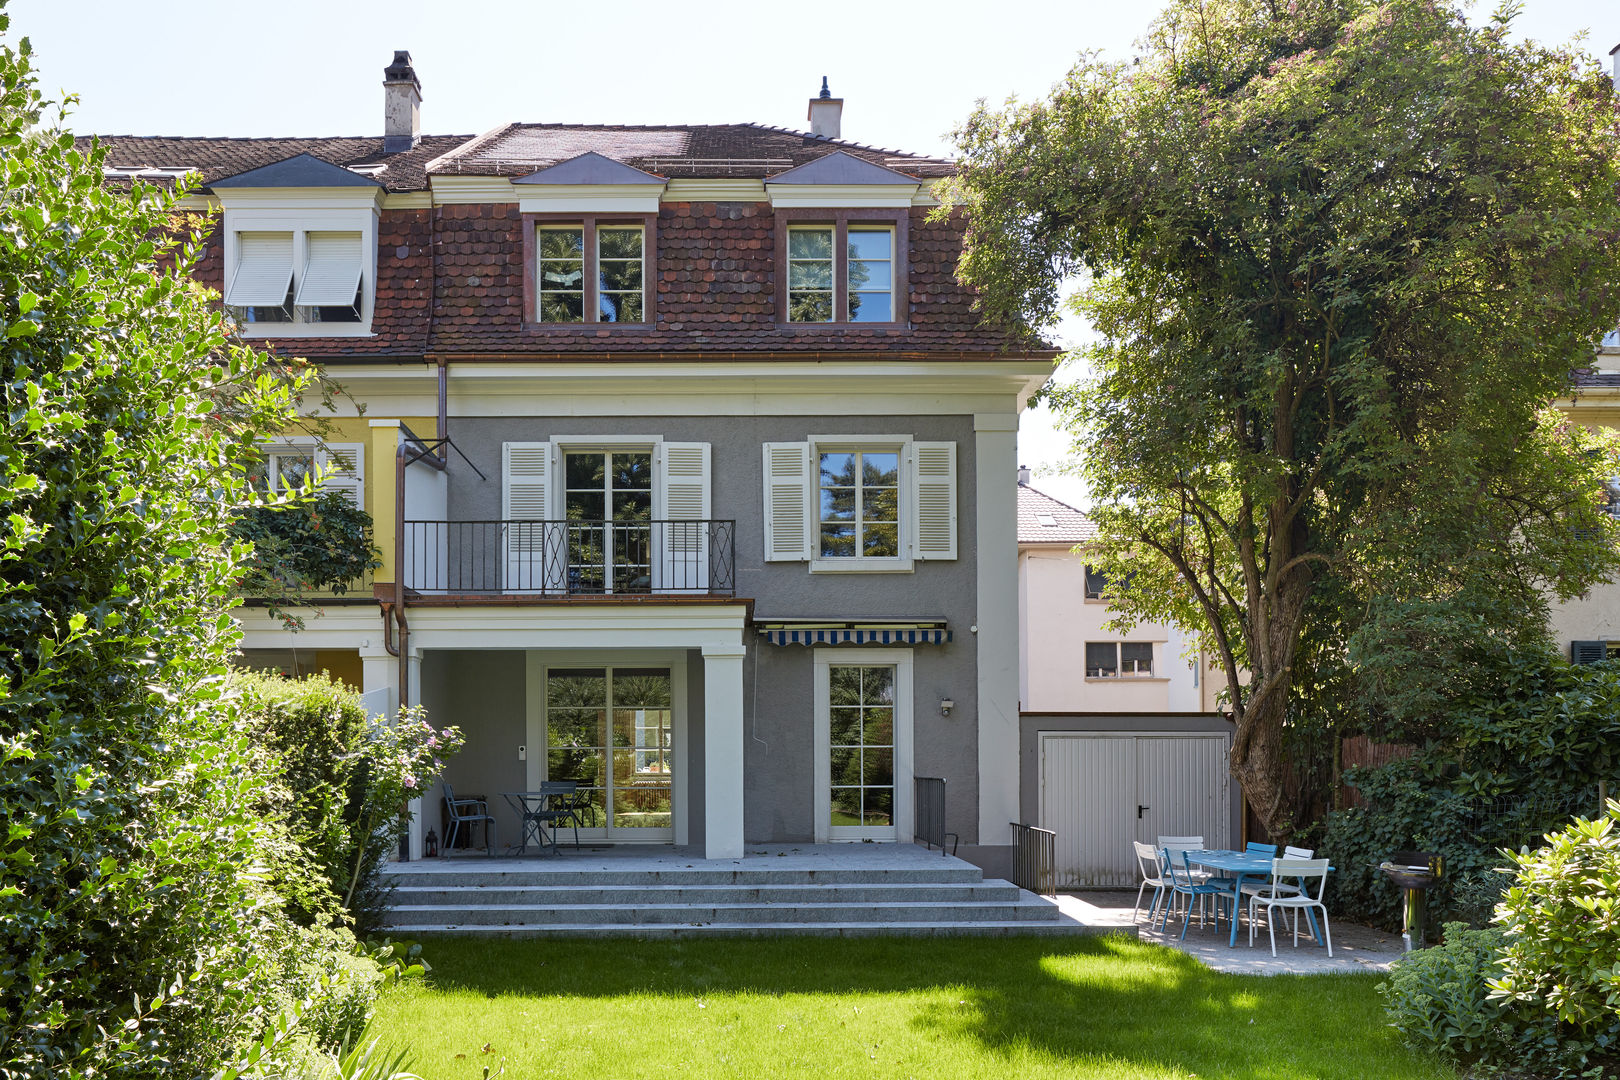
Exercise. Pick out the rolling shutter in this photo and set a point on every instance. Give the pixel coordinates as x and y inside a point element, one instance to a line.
<point>264,268</point>
<point>526,473</point>
<point>331,275</point>
<point>787,502</point>
<point>682,485</point>
<point>1588,652</point>
<point>343,468</point>
<point>933,485</point>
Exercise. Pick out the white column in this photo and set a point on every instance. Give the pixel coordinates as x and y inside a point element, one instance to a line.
<point>413,673</point>
<point>723,751</point>
<point>995,472</point>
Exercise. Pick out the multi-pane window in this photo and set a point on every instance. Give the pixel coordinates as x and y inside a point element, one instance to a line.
<point>1108,659</point>
<point>570,257</point>
<point>859,498</point>
<point>281,471</point>
<point>608,502</point>
<point>619,273</point>
<point>861,734</point>
<point>871,274</point>
<point>561,273</point>
<point>810,274</point>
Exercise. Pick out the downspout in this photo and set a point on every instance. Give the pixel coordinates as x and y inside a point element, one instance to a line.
<point>444,411</point>
<point>401,647</point>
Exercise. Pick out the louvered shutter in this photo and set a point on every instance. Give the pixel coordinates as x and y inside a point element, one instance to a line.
<point>533,552</point>
<point>331,275</point>
<point>1588,652</point>
<point>264,268</point>
<point>343,466</point>
<point>933,500</point>
<point>682,490</point>
<point>787,502</point>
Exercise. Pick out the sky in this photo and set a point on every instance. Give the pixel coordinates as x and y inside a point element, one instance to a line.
<point>909,73</point>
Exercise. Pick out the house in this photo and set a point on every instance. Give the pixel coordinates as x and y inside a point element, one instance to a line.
<point>1588,626</point>
<point>673,438</point>
<point>1068,659</point>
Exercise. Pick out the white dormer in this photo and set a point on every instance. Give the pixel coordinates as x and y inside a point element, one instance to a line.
<point>300,239</point>
<point>840,179</point>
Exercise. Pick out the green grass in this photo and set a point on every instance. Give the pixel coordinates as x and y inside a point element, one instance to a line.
<point>1021,1007</point>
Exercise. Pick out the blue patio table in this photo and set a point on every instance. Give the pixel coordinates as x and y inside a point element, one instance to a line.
<point>1242,865</point>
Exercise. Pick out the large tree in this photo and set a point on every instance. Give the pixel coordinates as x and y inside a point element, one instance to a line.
<point>1340,256</point>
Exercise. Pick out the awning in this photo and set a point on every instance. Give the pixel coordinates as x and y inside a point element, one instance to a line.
<point>854,631</point>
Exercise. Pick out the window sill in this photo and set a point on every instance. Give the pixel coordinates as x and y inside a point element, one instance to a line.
<point>305,330</point>
<point>585,328</point>
<point>861,566</point>
<point>811,327</point>
<point>1127,679</point>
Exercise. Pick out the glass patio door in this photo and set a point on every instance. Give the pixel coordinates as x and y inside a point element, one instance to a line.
<point>607,500</point>
<point>609,728</point>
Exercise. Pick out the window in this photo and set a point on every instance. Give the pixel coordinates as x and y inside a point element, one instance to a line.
<point>585,272</point>
<point>1112,659</point>
<point>859,496</point>
<point>1096,583</point>
<point>863,744</point>
<point>288,466</point>
<point>841,266</point>
<point>297,277</point>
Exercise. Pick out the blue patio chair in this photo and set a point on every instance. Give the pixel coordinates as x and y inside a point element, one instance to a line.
<point>468,811</point>
<point>1181,882</point>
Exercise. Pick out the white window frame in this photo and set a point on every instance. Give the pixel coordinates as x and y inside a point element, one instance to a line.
<point>1119,662</point>
<point>301,221</point>
<point>904,811</point>
<point>318,450</point>
<point>899,445</point>
<point>832,267</point>
<point>849,289</point>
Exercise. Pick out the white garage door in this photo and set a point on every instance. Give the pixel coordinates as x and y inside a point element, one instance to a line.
<point>1101,791</point>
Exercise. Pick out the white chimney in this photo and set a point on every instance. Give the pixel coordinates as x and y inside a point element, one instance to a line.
<point>826,113</point>
<point>1023,474</point>
<point>402,105</point>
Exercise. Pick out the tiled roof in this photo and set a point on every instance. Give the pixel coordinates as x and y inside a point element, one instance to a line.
<point>1067,525</point>
<point>217,158</point>
<point>685,150</point>
<point>1586,379</point>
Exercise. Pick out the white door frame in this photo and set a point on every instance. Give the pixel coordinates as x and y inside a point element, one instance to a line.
<point>536,663</point>
<point>904,812</point>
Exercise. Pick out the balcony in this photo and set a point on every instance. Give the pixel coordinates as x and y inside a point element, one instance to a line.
<point>568,559</point>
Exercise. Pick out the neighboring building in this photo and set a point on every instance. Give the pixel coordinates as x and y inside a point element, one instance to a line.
<point>1068,660</point>
<point>672,438</point>
<point>1587,628</point>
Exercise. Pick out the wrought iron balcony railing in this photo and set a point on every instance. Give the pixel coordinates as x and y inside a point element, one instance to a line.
<point>569,558</point>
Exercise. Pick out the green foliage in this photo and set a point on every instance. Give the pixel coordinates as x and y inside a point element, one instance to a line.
<point>1437,997</point>
<point>337,781</point>
<point>1340,254</point>
<point>1516,762</point>
<point>1562,919</point>
<point>320,543</point>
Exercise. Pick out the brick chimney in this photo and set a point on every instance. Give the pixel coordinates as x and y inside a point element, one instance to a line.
<point>826,113</point>
<point>402,105</point>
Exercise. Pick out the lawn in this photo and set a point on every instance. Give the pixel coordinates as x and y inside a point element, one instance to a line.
<point>937,1009</point>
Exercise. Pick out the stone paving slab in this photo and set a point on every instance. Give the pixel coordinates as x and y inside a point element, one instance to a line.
<point>1355,948</point>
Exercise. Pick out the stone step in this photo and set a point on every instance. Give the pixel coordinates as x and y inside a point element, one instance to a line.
<point>563,914</point>
<point>918,928</point>
<point>421,893</point>
<point>564,875</point>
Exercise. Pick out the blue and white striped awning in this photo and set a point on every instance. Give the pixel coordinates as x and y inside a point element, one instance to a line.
<point>782,636</point>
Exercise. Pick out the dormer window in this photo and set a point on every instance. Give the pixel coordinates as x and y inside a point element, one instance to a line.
<point>297,277</point>
<point>590,271</point>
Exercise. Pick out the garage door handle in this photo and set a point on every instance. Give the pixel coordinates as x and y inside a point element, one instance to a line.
<point>1139,810</point>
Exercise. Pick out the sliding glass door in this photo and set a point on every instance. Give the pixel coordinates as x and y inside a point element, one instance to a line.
<point>609,728</point>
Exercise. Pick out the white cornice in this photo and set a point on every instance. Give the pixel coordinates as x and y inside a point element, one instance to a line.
<point>472,189</point>
<point>334,198</point>
<point>715,190</point>
<point>590,199</point>
<point>826,196</point>
<point>408,200</point>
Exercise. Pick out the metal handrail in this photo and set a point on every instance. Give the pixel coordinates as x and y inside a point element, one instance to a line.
<point>930,804</point>
<point>569,558</point>
<point>1034,859</point>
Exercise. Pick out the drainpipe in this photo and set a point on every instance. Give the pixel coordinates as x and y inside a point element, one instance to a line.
<point>402,645</point>
<point>444,411</point>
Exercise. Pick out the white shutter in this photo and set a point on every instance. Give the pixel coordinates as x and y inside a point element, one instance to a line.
<point>331,270</point>
<point>344,467</point>
<point>264,267</point>
<point>682,485</point>
<point>933,485</point>
<point>527,469</point>
<point>787,502</point>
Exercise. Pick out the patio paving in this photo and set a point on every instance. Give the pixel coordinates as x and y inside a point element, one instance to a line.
<point>1355,948</point>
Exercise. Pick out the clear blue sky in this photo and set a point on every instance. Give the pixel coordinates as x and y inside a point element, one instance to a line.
<point>909,72</point>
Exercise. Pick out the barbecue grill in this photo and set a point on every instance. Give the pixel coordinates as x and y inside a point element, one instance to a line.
<point>1415,872</point>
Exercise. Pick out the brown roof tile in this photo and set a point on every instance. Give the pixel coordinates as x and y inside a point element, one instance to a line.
<point>217,158</point>
<point>1067,525</point>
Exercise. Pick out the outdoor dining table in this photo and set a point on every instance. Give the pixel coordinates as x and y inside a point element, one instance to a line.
<point>532,814</point>
<point>1242,865</point>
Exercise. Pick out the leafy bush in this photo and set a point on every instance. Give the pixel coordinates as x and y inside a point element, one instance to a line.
<point>1438,998</point>
<point>321,542</point>
<point>338,782</point>
<point>1562,922</point>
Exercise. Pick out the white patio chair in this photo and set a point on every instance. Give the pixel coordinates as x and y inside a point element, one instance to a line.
<point>1301,871</point>
<point>1148,862</point>
<point>1276,888</point>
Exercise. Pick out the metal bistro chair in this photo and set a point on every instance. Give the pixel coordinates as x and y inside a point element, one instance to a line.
<point>468,811</point>
<point>1147,862</point>
<point>564,806</point>
<point>1177,844</point>
<point>1277,888</point>
<point>1295,870</point>
<point>1182,882</point>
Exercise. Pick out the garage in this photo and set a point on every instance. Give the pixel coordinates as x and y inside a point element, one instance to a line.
<point>1100,790</point>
